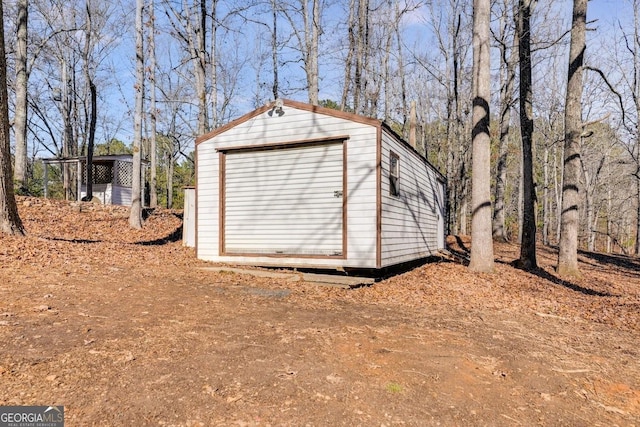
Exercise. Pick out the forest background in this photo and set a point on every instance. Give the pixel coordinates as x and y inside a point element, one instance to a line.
<point>208,62</point>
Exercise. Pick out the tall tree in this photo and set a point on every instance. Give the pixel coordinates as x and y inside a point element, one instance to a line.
<point>447,68</point>
<point>274,50</point>
<point>348,63</point>
<point>93,107</point>
<point>189,25</point>
<point>308,41</point>
<point>355,78</point>
<point>508,47</point>
<point>313,26</point>
<point>630,102</point>
<point>10,222</point>
<point>569,221</point>
<point>481,237</point>
<point>528,244</point>
<point>213,59</point>
<point>135,213</point>
<point>22,77</point>
<point>153,155</point>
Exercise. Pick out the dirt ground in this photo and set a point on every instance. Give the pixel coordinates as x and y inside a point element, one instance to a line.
<point>127,328</point>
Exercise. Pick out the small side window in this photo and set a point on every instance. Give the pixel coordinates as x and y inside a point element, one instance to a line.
<point>394,174</point>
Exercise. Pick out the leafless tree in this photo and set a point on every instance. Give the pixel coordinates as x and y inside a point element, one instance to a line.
<point>189,27</point>
<point>508,47</point>
<point>481,238</point>
<point>135,213</point>
<point>22,77</point>
<point>10,222</point>
<point>627,93</point>
<point>93,108</point>
<point>528,244</point>
<point>153,119</point>
<point>358,54</point>
<point>448,67</point>
<point>568,246</point>
<point>307,36</point>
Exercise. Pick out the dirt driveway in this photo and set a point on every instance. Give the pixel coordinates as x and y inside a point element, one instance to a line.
<point>128,328</point>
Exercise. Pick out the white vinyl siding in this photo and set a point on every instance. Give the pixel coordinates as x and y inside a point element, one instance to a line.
<point>295,125</point>
<point>277,189</point>
<point>413,220</point>
<point>284,201</point>
<point>207,199</point>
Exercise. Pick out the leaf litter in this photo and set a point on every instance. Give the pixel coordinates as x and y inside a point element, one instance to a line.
<point>106,319</point>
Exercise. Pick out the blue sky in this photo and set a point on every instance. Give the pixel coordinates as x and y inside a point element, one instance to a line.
<point>120,99</point>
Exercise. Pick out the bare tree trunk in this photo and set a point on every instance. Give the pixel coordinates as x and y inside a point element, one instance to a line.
<point>546,214</point>
<point>455,148</point>
<point>528,245</point>
<point>93,106</point>
<point>91,140</point>
<point>481,238</point>
<point>591,180</point>
<point>349,61</point>
<point>213,59</point>
<point>557,192</point>
<point>190,27</point>
<point>362,49</point>
<point>135,213</point>
<point>464,208</point>
<point>462,162</point>
<point>452,200</point>
<point>311,68</point>
<point>10,222</point>
<point>520,197</point>
<point>308,38</point>
<point>22,77</point>
<point>387,76</point>
<point>68,140</point>
<point>636,249</point>
<point>507,79</point>
<point>201,69</point>
<point>568,248</point>
<point>170,179</point>
<point>636,98</point>
<point>153,150</point>
<point>412,125</point>
<point>593,231</point>
<point>609,228</point>
<point>401,70</point>
<point>274,50</point>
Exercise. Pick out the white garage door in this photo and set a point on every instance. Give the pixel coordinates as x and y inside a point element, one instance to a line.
<point>284,201</point>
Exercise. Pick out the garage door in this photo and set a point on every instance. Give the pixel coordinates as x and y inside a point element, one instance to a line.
<point>285,201</point>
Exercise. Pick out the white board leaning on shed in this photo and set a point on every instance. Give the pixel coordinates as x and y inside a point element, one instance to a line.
<point>296,185</point>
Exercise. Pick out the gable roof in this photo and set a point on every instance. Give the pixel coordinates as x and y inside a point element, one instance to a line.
<point>293,104</point>
<point>319,110</point>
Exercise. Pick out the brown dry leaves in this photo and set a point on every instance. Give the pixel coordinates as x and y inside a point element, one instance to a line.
<point>64,236</point>
<point>608,292</point>
<point>99,310</point>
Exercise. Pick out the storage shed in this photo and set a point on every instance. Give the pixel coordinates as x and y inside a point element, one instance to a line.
<point>296,185</point>
<point>112,177</point>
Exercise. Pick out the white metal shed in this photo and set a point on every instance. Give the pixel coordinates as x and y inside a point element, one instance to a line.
<point>291,184</point>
